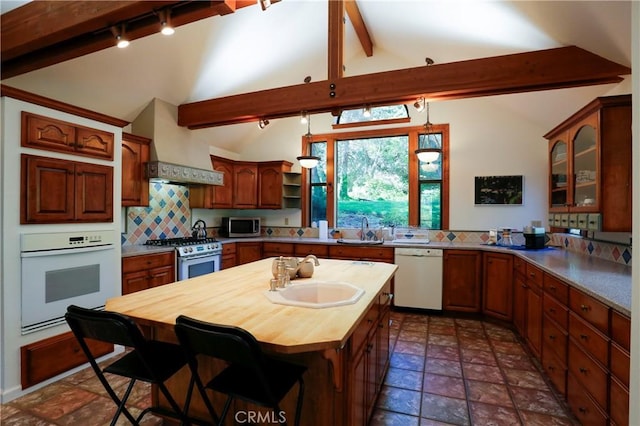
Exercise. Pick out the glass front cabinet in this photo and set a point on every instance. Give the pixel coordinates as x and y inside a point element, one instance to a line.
<point>590,167</point>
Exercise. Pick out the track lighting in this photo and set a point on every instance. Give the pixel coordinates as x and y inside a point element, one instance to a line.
<point>419,104</point>
<point>304,117</point>
<point>165,22</point>
<point>121,40</point>
<point>264,4</point>
<point>263,123</point>
<point>367,111</point>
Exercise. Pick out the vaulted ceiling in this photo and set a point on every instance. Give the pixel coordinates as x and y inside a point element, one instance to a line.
<point>234,47</point>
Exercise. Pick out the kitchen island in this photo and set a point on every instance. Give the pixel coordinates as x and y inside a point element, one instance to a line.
<point>345,348</point>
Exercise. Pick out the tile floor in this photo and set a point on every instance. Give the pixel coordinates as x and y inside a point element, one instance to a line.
<point>443,371</point>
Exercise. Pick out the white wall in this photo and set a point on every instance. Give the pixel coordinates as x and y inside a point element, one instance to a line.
<point>11,229</point>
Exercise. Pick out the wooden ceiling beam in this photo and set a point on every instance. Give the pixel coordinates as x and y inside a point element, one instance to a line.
<point>336,39</point>
<point>353,12</point>
<point>43,33</point>
<point>523,72</point>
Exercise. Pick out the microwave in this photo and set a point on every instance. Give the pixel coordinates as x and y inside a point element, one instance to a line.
<point>236,227</point>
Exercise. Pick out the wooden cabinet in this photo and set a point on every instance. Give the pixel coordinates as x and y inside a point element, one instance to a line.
<point>248,252</point>
<point>498,282</point>
<point>590,167</point>
<point>272,249</point>
<point>245,185</point>
<point>462,281</point>
<point>214,196</point>
<point>368,359</point>
<point>619,366</point>
<point>318,250</point>
<point>372,253</point>
<point>147,271</point>
<point>533,321</point>
<point>271,180</point>
<point>47,358</point>
<point>135,155</point>
<point>519,295</point>
<point>55,135</point>
<point>61,191</point>
<point>228,255</point>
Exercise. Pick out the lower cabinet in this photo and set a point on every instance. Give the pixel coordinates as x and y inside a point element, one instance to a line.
<point>498,282</point>
<point>274,249</point>
<point>147,271</point>
<point>248,252</point>
<point>462,281</point>
<point>228,255</point>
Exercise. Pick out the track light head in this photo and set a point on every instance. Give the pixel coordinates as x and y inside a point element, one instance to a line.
<point>263,123</point>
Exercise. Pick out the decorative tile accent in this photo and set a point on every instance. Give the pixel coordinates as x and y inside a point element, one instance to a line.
<point>613,252</point>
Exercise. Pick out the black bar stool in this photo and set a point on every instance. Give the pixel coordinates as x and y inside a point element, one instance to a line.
<point>150,361</point>
<point>251,375</point>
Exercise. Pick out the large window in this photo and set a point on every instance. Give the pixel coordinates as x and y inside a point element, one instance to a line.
<point>376,174</point>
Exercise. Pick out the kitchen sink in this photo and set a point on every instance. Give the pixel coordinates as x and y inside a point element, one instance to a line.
<point>412,241</point>
<point>316,294</point>
<point>357,242</point>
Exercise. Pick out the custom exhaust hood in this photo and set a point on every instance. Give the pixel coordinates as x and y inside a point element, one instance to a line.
<point>177,156</point>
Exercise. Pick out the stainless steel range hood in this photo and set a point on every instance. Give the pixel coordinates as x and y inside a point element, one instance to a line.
<point>177,155</point>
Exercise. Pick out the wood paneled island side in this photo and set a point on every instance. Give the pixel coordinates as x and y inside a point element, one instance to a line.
<point>345,348</point>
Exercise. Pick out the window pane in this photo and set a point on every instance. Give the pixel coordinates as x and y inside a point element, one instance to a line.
<point>319,173</point>
<point>430,205</point>
<point>372,180</point>
<point>318,203</point>
<point>432,140</point>
<point>387,112</point>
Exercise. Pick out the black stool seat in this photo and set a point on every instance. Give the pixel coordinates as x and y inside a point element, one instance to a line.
<point>251,375</point>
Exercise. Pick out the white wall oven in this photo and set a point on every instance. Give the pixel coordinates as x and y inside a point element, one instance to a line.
<point>64,268</point>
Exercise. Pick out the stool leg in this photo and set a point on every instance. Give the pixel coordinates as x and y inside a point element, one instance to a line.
<point>227,404</point>
<point>299,403</point>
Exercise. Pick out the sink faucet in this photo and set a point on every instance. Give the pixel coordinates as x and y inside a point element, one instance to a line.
<point>365,222</point>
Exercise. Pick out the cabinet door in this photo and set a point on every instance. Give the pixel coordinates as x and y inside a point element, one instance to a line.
<point>47,133</point>
<point>533,334</point>
<point>47,190</point>
<point>94,193</point>
<point>269,187</point>
<point>559,181</point>
<point>519,303</point>
<point>161,276</point>
<point>94,143</point>
<point>135,188</point>
<point>248,252</point>
<point>461,289</point>
<point>223,195</point>
<point>585,166</point>
<point>498,276</point>
<point>245,185</point>
<point>357,386</point>
<point>135,281</point>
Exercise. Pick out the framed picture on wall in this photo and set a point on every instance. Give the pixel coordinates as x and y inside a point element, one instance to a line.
<point>498,190</point>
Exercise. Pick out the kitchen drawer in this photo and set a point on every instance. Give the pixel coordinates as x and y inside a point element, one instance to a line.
<point>381,254</point>
<point>556,370</point>
<point>589,338</point>
<point>147,261</point>
<point>554,339</point>
<point>564,220</point>
<point>619,403</point>
<point>593,224</point>
<point>556,311</point>
<point>360,334</point>
<point>595,312</point>
<point>318,250</point>
<point>534,275</point>
<point>585,409</point>
<point>556,288</point>
<point>47,358</point>
<point>228,248</point>
<point>573,220</point>
<point>588,372</point>
<point>277,249</point>
<point>621,329</point>
<point>385,295</point>
<point>583,220</point>
<point>519,265</point>
<point>620,362</point>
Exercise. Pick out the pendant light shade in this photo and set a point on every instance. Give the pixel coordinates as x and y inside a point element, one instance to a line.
<point>428,155</point>
<point>308,161</point>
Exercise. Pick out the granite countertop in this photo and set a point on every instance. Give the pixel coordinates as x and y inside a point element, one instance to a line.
<point>607,281</point>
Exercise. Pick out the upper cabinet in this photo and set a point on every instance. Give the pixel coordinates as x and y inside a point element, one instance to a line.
<point>54,135</point>
<point>245,185</point>
<point>276,185</point>
<point>590,167</point>
<point>135,155</point>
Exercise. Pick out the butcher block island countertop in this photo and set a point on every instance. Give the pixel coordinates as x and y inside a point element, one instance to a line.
<point>326,340</point>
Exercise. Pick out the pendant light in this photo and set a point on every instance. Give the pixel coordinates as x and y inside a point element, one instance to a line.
<point>428,155</point>
<point>308,161</point>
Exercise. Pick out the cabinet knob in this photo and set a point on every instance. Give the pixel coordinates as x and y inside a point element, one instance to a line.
<point>582,410</point>
<point>583,370</point>
<point>584,336</point>
<point>584,307</point>
<point>552,287</point>
<point>552,337</point>
<point>551,368</point>
<point>552,310</point>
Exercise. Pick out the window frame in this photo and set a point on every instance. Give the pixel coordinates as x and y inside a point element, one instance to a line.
<point>414,183</point>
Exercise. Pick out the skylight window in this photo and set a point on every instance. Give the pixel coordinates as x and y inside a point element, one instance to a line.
<point>373,114</point>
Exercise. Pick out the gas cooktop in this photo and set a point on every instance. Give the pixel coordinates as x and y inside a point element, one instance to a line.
<point>179,242</point>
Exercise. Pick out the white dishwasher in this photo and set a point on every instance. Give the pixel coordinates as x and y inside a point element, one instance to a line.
<point>418,281</point>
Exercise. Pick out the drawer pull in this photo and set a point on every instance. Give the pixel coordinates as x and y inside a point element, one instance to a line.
<point>532,274</point>
<point>585,307</point>
<point>551,368</point>
<point>582,410</point>
<point>523,285</point>
<point>584,370</point>
<point>552,337</point>
<point>552,310</point>
<point>584,336</point>
<point>552,287</point>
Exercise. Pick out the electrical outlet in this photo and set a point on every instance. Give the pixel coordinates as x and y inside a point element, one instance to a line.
<point>286,220</point>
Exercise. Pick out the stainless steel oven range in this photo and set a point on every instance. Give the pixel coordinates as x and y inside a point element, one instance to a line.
<point>64,268</point>
<point>196,256</point>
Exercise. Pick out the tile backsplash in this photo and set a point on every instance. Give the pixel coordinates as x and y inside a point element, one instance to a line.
<point>167,216</point>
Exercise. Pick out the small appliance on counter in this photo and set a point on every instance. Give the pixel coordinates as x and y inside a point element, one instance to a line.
<point>238,227</point>
<point>534,237</point>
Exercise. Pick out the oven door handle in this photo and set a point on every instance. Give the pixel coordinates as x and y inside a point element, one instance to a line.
<point>187,258</point>
<point>76,250</point>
